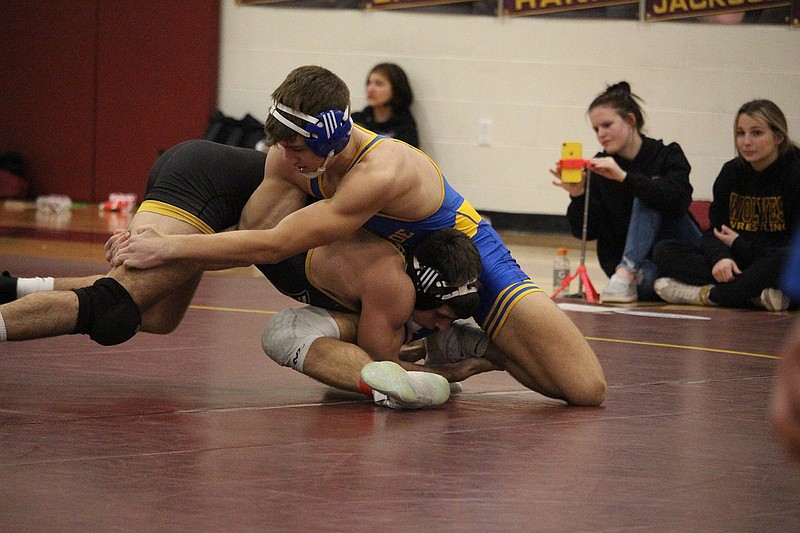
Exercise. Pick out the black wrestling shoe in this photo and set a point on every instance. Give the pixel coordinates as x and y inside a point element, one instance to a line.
<point>8,288</point>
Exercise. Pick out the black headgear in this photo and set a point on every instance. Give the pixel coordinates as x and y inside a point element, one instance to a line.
<point>432,289</point>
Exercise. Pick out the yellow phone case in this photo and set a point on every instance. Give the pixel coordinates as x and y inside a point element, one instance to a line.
<point>571,162</point>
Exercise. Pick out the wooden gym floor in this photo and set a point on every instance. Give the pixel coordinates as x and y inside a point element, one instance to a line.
<point>199,431</point>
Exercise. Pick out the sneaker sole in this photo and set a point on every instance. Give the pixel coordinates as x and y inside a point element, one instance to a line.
<point>774,300</point>
<point>389,378</point>
<point>618,299</point>
<point>436,392</point>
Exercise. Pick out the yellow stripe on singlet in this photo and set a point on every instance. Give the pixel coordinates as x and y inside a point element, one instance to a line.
<point>161,208</point>
<point>503,305</point>
<point>467,219</point>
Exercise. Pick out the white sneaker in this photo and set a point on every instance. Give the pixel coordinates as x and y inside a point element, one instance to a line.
<point>619,290</point>
<point>773,300</point>
<point>390,379</point>
<point>432,389</point>
<point>395,388</point>
<point>675,292</point>
<point>461,340</point>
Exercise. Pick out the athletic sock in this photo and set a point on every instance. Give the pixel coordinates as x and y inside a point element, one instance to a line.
<point>3,335</point>
<point>363,387</point>
<point>27,286</point>
<point>377,397</point>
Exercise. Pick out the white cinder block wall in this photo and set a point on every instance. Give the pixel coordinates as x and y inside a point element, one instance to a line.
<point>533,78</point>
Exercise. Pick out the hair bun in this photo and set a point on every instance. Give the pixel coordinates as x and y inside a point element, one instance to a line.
<point>622,86</point>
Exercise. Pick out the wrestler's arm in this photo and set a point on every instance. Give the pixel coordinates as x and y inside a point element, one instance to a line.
<point>357,199</point>
<point>386,306</point>
<point>275,198</point>
<point>387,301</point>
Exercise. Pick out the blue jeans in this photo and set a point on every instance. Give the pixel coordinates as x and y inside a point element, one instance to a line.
<point>647,227</point>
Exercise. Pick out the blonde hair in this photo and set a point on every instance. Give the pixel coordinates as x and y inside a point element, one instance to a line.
<point>771,114</point>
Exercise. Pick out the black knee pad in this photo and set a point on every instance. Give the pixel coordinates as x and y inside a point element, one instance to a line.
<point>107,313</point>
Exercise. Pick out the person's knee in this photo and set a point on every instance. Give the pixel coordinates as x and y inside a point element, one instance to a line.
<point>590,393</point>
<point>107,313</point>
<point>290,334</point>
<point>160,324</point>
<point>662,250</point>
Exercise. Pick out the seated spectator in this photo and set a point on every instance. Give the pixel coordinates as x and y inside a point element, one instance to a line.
<point>755,210</point>
<point>639,194</point>
<point>389,99</point>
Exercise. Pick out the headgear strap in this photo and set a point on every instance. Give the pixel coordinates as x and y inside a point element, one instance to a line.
<point>326,134</point>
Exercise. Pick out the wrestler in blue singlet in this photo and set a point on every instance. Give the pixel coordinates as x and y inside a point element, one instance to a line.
<point>503,283</point>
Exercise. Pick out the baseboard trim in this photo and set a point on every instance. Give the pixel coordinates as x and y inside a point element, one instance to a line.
<point>528,222</point>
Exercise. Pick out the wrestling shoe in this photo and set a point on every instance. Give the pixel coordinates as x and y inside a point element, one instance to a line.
<point>432,389</point>
<point>772,300</point>
<point>389,379</point>
<point>395,388</point>
<point>675,292</point>
<point>461,340</point>
<point>619,290</point>
<point>8,288</point>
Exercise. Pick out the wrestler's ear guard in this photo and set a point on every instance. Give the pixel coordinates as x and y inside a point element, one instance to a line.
<point>326,134</point>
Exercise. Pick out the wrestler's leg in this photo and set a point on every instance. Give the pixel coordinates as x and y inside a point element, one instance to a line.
<point>66,284</point>
<point>337,362</point>
<point>542,348</point>
<point>52,313</point>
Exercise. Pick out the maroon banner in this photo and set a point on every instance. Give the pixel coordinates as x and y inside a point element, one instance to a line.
<point>516,8</point>
<point>401,4</point>
<point>658,10</point>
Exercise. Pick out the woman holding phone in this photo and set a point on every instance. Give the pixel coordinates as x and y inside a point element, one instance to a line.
<point>639,195</point>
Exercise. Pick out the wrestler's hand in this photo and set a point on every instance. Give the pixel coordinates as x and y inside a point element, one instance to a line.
<point>461,370</point>
<point>725,270</point>
<point>784,408</point>
<point>146,248</point>
<point>574,189</point>
<point>112,244</point>
<point>726,235</point>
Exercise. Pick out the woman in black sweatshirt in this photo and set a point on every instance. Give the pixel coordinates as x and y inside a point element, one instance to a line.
<point>755,210</point>
<point>639,195</point>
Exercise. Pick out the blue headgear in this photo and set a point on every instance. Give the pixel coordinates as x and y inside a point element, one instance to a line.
<point>326,134</point>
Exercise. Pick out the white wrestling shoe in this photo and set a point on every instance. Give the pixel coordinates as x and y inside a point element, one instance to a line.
<point>395,388</point>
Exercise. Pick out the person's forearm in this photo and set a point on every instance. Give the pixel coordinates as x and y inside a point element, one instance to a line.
<point>225,250</point>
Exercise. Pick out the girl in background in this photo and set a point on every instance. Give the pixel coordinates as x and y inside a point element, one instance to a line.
<point>755,210</point>
<point>639,195</point>
<point>389,99</point>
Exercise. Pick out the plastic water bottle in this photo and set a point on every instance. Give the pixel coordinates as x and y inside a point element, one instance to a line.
<point>561,270</point>
<point>53,203</point>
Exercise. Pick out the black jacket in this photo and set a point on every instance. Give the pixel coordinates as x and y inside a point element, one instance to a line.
<point>401,126</point>
<point>658,175</point>
<point>762,207</point>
